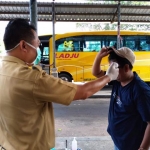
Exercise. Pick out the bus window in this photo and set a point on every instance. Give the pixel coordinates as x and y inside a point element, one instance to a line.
<point>131,45</point>
<point>75,46</point>
<point>92,46</point>
<point>131,42</point>
<point>110,40</point>
<point>68,44</point>
<point>137,43</point>
<point>96,42</point>
<point>44,47</point>
<point>60,47</point>
<point>92,43</point>
<point>143,44</point>
<point>46,51</point>
<point>45,55</point>
<point>86,43</point>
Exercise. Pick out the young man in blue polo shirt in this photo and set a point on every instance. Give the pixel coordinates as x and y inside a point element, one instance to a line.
<point>129,111</point>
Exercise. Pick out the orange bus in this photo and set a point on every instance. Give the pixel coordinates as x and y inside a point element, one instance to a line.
<point>76,51</point>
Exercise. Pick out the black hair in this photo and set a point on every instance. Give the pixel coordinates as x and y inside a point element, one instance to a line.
<point>120,60</point>
<point>17,30</point>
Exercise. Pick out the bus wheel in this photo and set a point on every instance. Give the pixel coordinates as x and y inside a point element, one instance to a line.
<point>65,77</point>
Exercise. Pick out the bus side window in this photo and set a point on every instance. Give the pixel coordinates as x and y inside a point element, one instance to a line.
<point>76,46</point>
<point>60,48</point>
<point>92,46</point>
<point>69,44</point>
<point>144,45</point>
<point>130,42</point>
<point>45,55</point>
<point>44,47</point>
<point>136,43</point>
<point>132,45</point>
<point>92,43</point>
<point>110,40</point>
<point>82,45</point>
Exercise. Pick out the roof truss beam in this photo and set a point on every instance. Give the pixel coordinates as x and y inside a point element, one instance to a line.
<point>79,12</point>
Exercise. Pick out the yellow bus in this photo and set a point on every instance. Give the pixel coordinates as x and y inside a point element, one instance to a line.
<point>76,51</point>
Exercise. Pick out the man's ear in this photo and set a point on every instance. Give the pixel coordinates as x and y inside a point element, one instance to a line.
<point>126,67</point>
<point>23,46</point>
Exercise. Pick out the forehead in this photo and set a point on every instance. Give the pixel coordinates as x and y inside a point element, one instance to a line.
<point>116,62</point>
<point>36,38</point>
<point>35,34</point>
<point>112,61</point>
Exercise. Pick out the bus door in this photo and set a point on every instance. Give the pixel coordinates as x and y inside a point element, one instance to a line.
<point>44,47</point>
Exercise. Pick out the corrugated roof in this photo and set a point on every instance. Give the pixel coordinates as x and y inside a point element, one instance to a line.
<point>77,12</point>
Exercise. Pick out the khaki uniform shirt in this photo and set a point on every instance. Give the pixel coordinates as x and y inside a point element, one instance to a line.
<point>26,111</point>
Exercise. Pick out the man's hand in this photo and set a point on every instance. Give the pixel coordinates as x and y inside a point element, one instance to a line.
<point>104,52</point>
<point>113,71</point>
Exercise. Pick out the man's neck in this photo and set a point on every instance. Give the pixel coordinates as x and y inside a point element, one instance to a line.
<point>128,79</point>
<point>15,53</point>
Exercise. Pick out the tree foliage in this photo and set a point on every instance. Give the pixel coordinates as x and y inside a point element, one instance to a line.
<point>109,26</point>
<point>122,2</point>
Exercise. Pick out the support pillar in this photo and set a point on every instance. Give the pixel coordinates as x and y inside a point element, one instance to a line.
<point>54,69</point>
<point>118,34</point>
<point>33,12</point>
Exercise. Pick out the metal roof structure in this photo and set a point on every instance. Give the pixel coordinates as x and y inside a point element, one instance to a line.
<point>75,12</point>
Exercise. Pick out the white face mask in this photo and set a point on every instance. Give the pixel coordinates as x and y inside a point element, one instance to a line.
<point>18,45</point>
<point>37,49</point>
<point>12,48</point>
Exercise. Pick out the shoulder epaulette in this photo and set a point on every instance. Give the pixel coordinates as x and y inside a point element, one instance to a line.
<point>37,67</point>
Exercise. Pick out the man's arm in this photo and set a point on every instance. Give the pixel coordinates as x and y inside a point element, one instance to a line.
<point>96,69</point>
<point>88,89</point>
<point>146,140</point>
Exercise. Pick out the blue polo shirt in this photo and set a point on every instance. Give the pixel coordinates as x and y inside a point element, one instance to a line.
<point>129,113</point>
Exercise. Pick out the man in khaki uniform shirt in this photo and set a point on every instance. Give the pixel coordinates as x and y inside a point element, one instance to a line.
<point>26,95</point>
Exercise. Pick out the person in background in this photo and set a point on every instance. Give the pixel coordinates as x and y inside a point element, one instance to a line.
<point>27,94</point>
<point>129,110</point>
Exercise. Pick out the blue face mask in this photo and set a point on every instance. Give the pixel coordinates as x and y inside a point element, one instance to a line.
<point>38,57</point>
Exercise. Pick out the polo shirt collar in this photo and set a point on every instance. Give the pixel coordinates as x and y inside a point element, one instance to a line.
<point>13,59</point>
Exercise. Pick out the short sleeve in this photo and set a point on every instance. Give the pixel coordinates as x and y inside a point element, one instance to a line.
<point>50,89</point>
<point>143,104</point>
